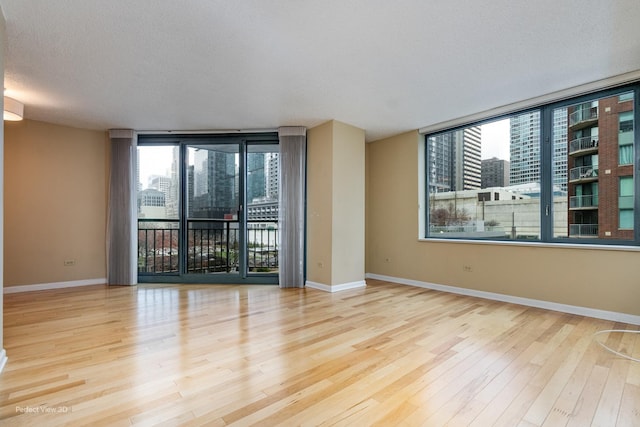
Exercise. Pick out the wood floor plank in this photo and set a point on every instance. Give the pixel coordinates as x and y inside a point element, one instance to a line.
<point>629,415</point>
<point>544,405</point>
<point>609,404</point>
<point>565,405</point>
<point>197,355</point>
<point>588,401</point>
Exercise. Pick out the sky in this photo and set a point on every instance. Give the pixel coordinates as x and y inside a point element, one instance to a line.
<point>495,143</point>
<point>155,161</point>
<point>495,140</point>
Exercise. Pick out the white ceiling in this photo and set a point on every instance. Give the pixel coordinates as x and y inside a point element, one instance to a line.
<point>384,66</point>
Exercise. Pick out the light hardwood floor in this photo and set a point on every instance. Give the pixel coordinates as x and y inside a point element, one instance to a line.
<point>243,355</point>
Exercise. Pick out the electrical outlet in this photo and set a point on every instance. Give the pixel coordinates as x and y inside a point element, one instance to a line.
<point>320,264</point>
<point>69,262</point>
<point>467,268</point>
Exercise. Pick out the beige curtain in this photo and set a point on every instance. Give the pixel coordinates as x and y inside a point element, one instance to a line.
<point>122,224</point>
<point>292,194</point>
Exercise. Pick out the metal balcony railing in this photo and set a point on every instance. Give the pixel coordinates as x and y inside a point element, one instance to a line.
<point>583,144</point>
<point>158,246</point>
<point>582,115</point>
<point>583,230</point>
<point>262,246</point>
<point>583,172</point>
<point>212,246</point>
<point>577,202</point>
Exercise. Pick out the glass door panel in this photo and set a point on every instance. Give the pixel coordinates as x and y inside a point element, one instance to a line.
<point>158,209</point>
<point>213,238</point>
<point>262,208</point>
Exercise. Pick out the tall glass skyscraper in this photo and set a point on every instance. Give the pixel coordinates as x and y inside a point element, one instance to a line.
<point>455,160</point>
<point>524,148</point>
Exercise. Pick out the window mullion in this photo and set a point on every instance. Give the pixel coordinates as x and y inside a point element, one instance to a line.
<point>546,175</point>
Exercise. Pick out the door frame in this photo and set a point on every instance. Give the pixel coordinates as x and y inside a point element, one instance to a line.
<point>183,141</point>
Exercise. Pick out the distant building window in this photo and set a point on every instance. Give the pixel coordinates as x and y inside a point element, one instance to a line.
<point>625,203</point>
<point>625,138</point>
<point>625,97</point>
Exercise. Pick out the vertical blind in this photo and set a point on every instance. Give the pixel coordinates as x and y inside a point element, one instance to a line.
<point>293,148</point>
<point>122,224</point>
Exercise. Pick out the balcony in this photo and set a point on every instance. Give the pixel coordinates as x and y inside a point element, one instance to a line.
<point>158,246</point>
<point>583,118</point>
<point>584,145</point>
<point>583,174</point>
<point>583,230</point>
<point>212,246</point>
<point>583,202</point>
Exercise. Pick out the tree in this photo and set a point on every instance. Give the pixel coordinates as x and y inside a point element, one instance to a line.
<point>443,217</point>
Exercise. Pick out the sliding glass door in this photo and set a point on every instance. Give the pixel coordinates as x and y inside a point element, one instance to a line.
<point>218,222</point>
<point>261,250</point>
<point>213,209</point>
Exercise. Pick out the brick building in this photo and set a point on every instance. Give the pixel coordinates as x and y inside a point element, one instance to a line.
<point>600,163</point>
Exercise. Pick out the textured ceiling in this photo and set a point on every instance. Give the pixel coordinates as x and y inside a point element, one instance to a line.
<point>384,66</point>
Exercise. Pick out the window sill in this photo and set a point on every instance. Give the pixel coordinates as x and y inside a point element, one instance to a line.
<point>625,248</point>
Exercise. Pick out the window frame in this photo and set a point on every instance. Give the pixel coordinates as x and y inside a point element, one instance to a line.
<point>183,141</point>
<point>546,169</point>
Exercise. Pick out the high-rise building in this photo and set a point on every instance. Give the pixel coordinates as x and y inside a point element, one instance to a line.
<point>262,187</point>
<point>256,177</point>
<point>470,165</point>
<point>173,190</point>
<point>559,130</point>
<point>273,175</point>
<point>600,162</point>
<point>455,160</point>
<point>524,148</point>
<point>214,184</point>
<point>160,183</point>
<point>495,173</point>
<point>151,204</point>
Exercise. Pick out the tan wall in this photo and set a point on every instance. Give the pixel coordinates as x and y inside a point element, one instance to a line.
<point>55,203</point>
<point>348,204</point>
<point>593,278</point>
<point>335,204</point>
<point>319,202</point>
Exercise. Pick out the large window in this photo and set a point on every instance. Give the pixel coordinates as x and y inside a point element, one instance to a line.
<point>563,172</point>
<point>208,206</point>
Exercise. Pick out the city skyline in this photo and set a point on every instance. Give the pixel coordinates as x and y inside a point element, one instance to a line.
<point>213,179</point>
<point>591,174</point>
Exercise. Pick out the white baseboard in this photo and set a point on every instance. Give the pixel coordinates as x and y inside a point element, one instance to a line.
<point>336,288</point>
<point>55,285</point>
<point>564,308</point>
<point>3,359</point>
